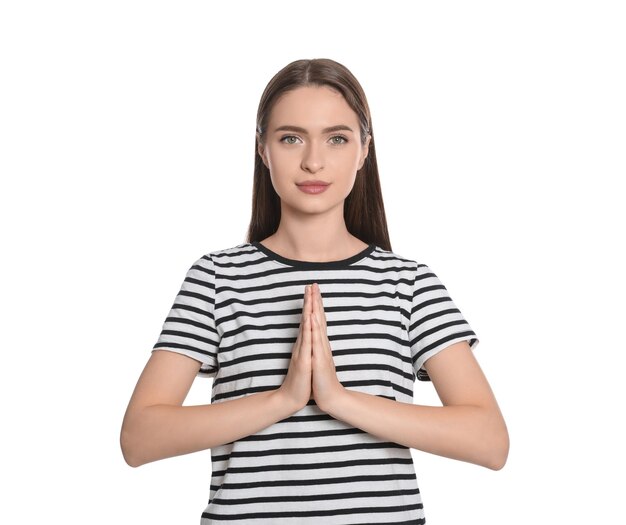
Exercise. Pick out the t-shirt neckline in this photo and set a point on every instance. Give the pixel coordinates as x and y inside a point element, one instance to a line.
<point>342,263</point>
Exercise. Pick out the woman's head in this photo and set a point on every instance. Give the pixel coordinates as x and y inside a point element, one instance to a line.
<point>314,94</point>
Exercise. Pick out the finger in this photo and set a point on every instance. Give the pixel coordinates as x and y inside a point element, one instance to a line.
<point>310,299</point>
<point>320,322</point>
<point>313,300</point>
<point>303,324</point>
<point>306,339</point>
<point>307,301</point>
<point>318,296</point>
<point>319,341</point>
<point>315,335</point>
<point>320,307</point>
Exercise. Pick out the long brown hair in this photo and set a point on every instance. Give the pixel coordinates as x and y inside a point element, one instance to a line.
<point>364,211</point>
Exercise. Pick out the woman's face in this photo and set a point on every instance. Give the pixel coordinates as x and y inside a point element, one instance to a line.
<point>313,152</point>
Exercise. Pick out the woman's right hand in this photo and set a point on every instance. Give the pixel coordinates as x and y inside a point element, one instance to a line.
<point>296,387</point>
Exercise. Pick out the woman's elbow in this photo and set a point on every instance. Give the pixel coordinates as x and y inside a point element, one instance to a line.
<point>126,450</point>
<point>129,444</point>
<point>499,449</point>
<point>492,440</point>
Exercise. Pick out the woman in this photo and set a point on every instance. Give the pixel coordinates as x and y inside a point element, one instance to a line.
<point>314,332</point>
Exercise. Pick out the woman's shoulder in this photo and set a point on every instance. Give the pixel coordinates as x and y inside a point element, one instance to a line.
<point>395,259</point>
<point>220,256</point>
<point>231,251</point>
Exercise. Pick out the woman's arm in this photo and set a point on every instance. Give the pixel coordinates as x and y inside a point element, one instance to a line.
<point>157,426</point>
<point>469,427</point>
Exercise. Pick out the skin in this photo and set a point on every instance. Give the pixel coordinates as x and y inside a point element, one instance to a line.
<point>312,227</point>
<point>468,427</point>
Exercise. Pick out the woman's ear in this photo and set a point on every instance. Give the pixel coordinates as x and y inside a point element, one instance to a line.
<point>261,151</point>
<point>364,151</point>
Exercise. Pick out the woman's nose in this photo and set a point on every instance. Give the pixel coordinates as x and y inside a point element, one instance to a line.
<point>312,159</point>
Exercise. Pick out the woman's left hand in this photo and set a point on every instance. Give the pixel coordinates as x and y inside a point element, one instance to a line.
<point>324,384</point>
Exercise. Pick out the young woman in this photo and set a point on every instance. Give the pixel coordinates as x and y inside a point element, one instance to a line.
<point>314,332</point>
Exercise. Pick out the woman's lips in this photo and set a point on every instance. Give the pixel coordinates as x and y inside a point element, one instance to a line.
<point>313,187</point>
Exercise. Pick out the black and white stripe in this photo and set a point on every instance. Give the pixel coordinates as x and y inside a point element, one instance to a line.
<point>238,312</point>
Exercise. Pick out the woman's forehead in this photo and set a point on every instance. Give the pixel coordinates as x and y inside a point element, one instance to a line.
<point>312,109</point>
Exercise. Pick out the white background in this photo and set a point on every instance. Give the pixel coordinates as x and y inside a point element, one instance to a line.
<point>126,152</point>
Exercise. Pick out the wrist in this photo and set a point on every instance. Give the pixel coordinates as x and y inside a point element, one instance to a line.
<point>284,401</point>
<point>329,405</point>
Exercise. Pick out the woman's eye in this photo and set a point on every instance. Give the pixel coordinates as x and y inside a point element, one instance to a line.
<point>287,139</point>
<point>344,139</point>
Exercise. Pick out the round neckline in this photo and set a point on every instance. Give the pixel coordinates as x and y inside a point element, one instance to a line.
<point>315,264</point>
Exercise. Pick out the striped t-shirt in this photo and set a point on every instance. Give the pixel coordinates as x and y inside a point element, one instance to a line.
<point>238,312</point>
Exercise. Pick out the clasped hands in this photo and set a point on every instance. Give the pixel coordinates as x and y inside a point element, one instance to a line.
<point>312,371</point>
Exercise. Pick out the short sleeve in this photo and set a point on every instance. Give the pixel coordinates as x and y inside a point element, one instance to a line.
<point>190,327</point>
<point>435,321</point>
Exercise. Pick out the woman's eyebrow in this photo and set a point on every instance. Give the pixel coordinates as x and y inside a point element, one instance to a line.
<point>338,127</point>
